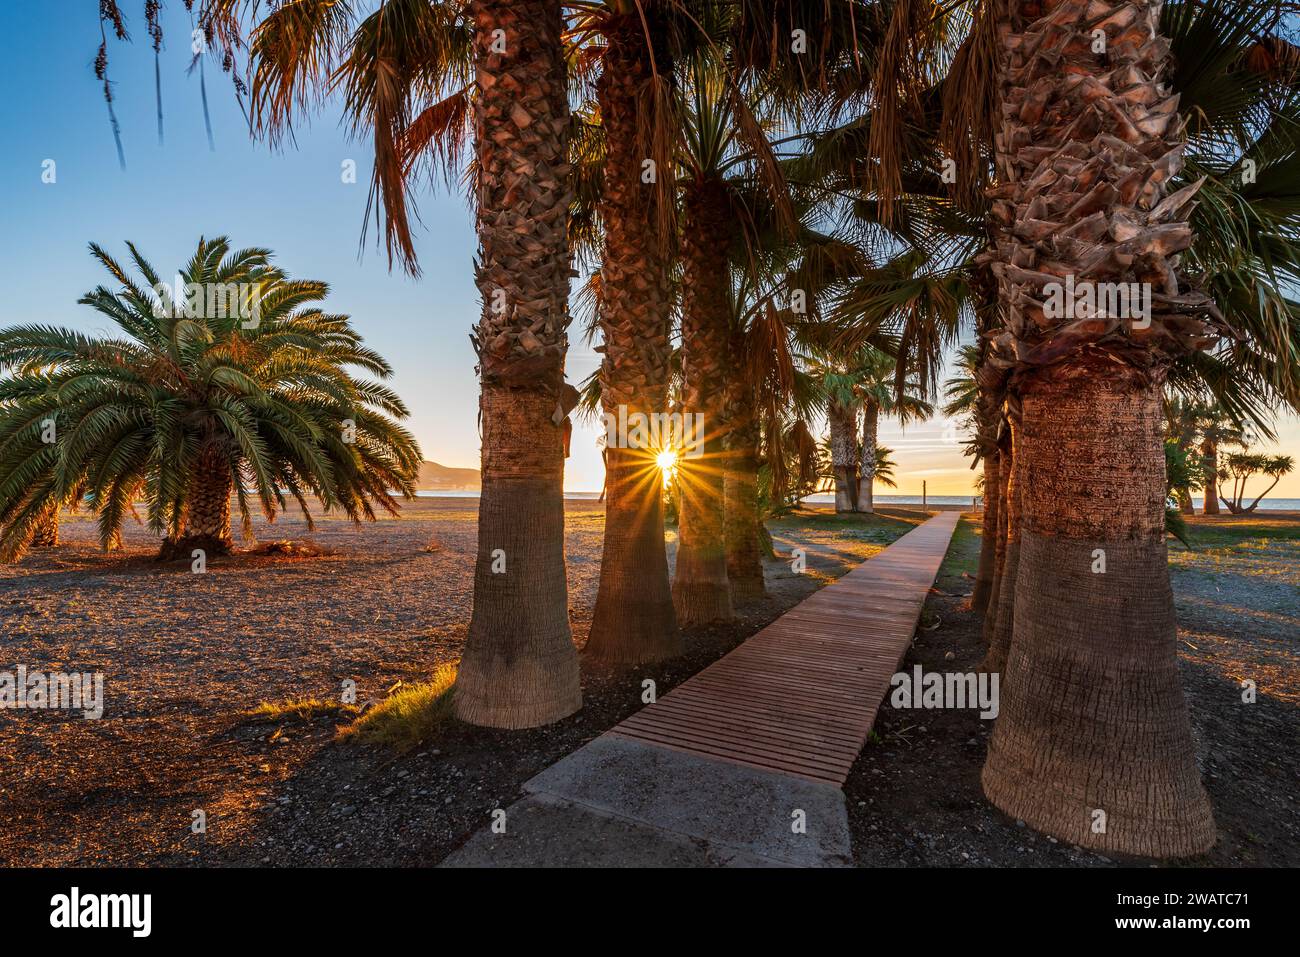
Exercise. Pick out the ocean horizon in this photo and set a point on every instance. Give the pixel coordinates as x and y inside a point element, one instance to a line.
<point>825,498</point>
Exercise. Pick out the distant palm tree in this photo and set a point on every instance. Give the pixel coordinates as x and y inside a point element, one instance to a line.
<point>1242,465</point>
<point>239,385</point>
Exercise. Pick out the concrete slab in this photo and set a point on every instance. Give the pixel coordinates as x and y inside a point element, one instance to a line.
<point>545,831</point>
<point>750,811</point>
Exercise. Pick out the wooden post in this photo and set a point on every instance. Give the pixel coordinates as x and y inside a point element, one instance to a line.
<point>922,493</point>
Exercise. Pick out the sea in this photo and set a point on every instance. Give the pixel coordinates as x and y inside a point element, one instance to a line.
<point>1268,505</point>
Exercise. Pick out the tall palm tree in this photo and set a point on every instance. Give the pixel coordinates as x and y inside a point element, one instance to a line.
<point>204,397</point>
<point>876,391</point>
<point>634,620</point>
<point>1085,157</point>
<point>424,79</point>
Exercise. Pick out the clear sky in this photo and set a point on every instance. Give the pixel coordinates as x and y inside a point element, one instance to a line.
<point>293,202</point>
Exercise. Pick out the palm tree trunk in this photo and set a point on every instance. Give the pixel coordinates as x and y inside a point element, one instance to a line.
<point>989,535</point>
<point>701,592</point>
<point>1005,464</point>
<point>1093,743</point>
<point>1210,454</point>
<point>867,472</point>
<point>633,621</point>
<point>740,487</point>
<point>999,636</point>
<point>1092,712</point>
<point>520,667</point>
<point>47,532</point>
<point>206,525</point>
<point>844,426</point>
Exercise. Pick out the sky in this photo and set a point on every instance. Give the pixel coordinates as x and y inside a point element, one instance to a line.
<point>293,201</point>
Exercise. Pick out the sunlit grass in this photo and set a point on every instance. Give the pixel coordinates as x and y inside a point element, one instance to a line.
<point>408,717</point>
<point>300,709</point>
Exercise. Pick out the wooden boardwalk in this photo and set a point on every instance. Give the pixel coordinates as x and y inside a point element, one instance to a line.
<point>800,696</point>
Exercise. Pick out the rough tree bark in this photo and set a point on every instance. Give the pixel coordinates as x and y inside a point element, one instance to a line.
<point>1093,743</point>
<point>1210,453</point>
<point>520,666</point>
<point>867,470</point>
<point>843,421</point>
<point>999,636</point>
<point>633,621</point>
<point>989,535</point>
<point>701,592</point>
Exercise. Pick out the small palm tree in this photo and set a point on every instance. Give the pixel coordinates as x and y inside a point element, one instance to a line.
<point>239,385</point>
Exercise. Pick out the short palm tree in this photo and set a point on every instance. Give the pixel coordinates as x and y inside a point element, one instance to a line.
<point>240,386</point>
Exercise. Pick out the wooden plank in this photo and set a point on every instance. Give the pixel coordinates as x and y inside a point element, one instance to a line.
<point>800,696</point>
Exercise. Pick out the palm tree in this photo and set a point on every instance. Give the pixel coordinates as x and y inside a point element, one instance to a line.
<point>424,79</point>
<point>1105,213</point>
<point>878,395</point>
<point>1216,430</point>
<point>1242,465</point>
<point>241,386</point>
<point>634,620</point>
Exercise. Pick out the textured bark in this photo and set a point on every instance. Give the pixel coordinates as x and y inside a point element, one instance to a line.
<point>988,537</point>
<point>867,470</point>
<point>741,530</point>
<point>701,592</point>
<point>633,621</point>
<point>1092,712</point>
<point>1092,717</point>
<point>206,523</point>
<point>520,667</point>
<point>999,636</point>
<point>744,545</point>
<point>47,531</point>
<point>1000,547</point>
<point>1210,452</point>
<point>844,443</point>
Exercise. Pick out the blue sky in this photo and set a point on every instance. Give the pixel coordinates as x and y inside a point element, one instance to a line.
<point>293,201</point>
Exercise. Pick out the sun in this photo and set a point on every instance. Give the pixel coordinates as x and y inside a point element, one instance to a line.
<point>667,462</point>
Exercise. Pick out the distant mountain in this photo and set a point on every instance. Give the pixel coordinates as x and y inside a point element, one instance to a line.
<point>434,477</point>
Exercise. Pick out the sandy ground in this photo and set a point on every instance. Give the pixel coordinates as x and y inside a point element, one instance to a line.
<point>186,655</point>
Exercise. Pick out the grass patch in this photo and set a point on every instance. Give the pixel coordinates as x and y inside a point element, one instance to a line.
<point>962,557</point>
<point>408,717</point>
<point>300,709</point>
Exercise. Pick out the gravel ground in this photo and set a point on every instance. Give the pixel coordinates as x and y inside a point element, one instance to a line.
<point>185,656</point>
<point>914,795</point>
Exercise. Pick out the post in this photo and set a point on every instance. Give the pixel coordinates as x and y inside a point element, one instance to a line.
<point>922,493</point>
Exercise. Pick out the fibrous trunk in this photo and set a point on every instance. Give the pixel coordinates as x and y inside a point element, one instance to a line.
<point>867,478</point>
<point>520,666</point>
<point>633,621</point>
<point>742,530</point>
<point>701,592</point>
<point>988,536</point>
<point>206,524</point>
<point>1093,743</point>
<point>1210,454</point>
<point>1000,545</point>
<point>844,442</point>
<point>999,636</point>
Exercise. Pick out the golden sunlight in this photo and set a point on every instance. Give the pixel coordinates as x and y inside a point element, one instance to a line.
<point>667,462</point>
